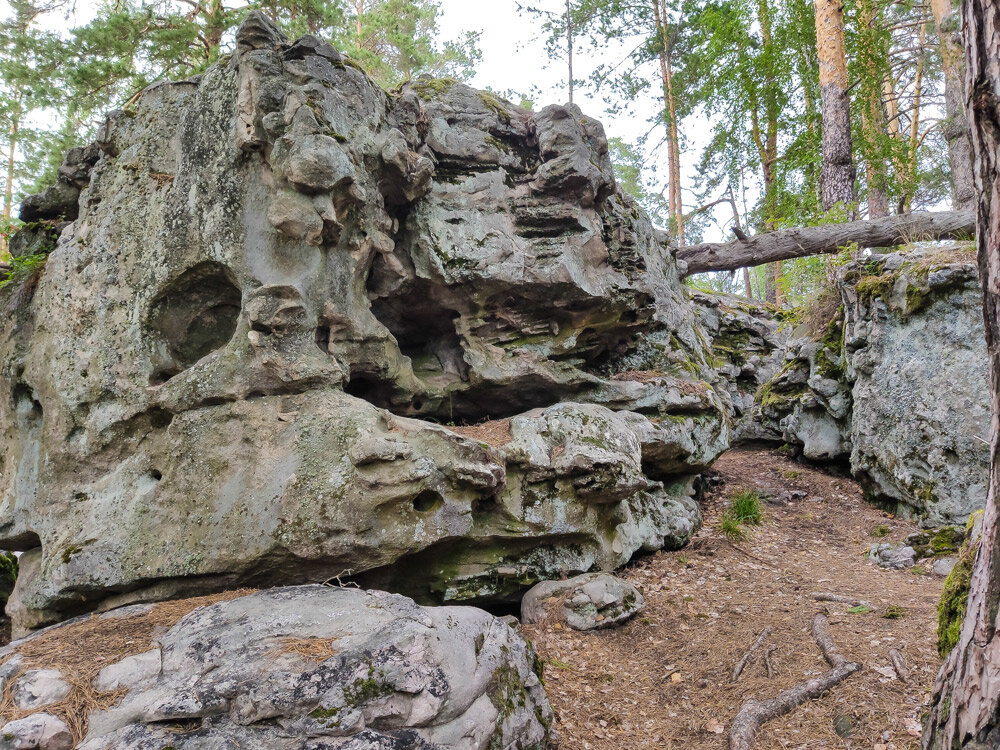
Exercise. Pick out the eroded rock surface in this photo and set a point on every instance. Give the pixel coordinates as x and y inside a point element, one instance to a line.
<point>277,279</point>
<point>318,666</point>
<point>586,602</point>
<point>897,384</point>
<point>749,346</point>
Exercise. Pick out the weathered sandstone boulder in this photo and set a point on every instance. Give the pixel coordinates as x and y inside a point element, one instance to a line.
<point>586,602</point>
<point>748,346</point>
<point>297,667</point>
<point>280,288</point>
<point>897,384</point>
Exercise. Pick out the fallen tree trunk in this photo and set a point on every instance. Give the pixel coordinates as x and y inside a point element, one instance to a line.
<point>784,244</point>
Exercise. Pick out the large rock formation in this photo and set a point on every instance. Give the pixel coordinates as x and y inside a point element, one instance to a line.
<point>298,668</point>
<point>280,288</point>
<point>897,384</point>
<point>749,345</point>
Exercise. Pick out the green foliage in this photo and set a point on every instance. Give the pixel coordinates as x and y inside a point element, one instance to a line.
<point>74,76</point>
<point>859,609</point>
<point>732,529</point>
<point>628,165</point>
<point>745,507</point>
<point>882,530</point>
<point>8,575</point>
<point>22,268</point>
<point>893,612</point>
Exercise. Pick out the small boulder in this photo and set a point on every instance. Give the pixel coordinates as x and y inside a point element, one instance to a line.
<point>40,687</point>
<point>944,565</point>
<point>892,556</point>
<point>36,732</point>
<point>588,602</point>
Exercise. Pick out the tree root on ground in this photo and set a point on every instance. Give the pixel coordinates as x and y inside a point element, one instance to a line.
<point>738,669</point>
<point>753,714</point>
<point>822,596</point>
<point>899,664</point>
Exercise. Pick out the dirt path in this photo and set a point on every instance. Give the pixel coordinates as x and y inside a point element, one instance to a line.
<point>662,681</point>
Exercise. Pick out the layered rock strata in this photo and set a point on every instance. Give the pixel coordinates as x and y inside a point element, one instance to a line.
<point>279,289</point>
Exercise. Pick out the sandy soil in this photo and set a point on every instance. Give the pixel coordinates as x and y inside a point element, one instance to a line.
<point>663,680</point>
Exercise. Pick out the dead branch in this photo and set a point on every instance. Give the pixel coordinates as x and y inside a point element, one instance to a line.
<point>899,664</point>
<point>753,714</point>
<point>738,669</point>
<point>785,244</point>
<point>823,596</point>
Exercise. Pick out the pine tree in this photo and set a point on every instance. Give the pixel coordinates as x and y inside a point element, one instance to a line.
<point>29,58</point>
<point>965,705</point>
<point>837,178</point>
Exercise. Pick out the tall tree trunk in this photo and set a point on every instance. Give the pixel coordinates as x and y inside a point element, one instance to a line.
<point>873,122</point>
<point>965,704</point>
<point>359,9</point>
<point>8,188</point>
<point>675,152</point>
<point>837,174</point>
<point>956,124</point>
<point>768,147</point>
<point>910,181</point>
<point>675,204</point>
<point>215,26</point>
<point>569,50</point>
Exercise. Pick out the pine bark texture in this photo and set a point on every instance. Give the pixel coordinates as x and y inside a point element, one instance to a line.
<point>956,125</point>
<point>800,242</point>
<point>675,202</point>
<point>965,705</point>
<point>837,175</point>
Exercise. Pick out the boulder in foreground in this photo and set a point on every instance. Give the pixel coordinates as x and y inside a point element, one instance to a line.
<point>297,667</point>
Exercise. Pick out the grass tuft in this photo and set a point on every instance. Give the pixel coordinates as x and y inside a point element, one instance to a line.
<point>745,507</point>
<point>731,528</point>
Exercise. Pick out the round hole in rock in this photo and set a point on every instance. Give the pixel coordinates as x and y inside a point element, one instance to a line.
<point>427,501</point>
<point>196,314</point>
<point>156,474</point>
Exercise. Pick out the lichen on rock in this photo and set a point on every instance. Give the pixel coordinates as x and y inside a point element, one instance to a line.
<point>895,385</point>
<point>280,285</point>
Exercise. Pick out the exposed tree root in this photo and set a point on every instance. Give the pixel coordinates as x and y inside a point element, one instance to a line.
<point>741,665</point>
<point>833,657</point>
<point>823,596</point>
<point>899,664</point>
<point>753,714</point>
<point>768,664</point>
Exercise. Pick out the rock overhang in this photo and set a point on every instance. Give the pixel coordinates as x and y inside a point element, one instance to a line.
<point>277,279</point>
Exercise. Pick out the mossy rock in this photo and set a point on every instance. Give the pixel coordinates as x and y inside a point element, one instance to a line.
<point>428,88</point>
<point>943,542</point>
<point>951,608</point>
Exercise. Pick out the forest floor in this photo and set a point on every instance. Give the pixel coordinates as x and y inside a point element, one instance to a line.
<point>663,679</point>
